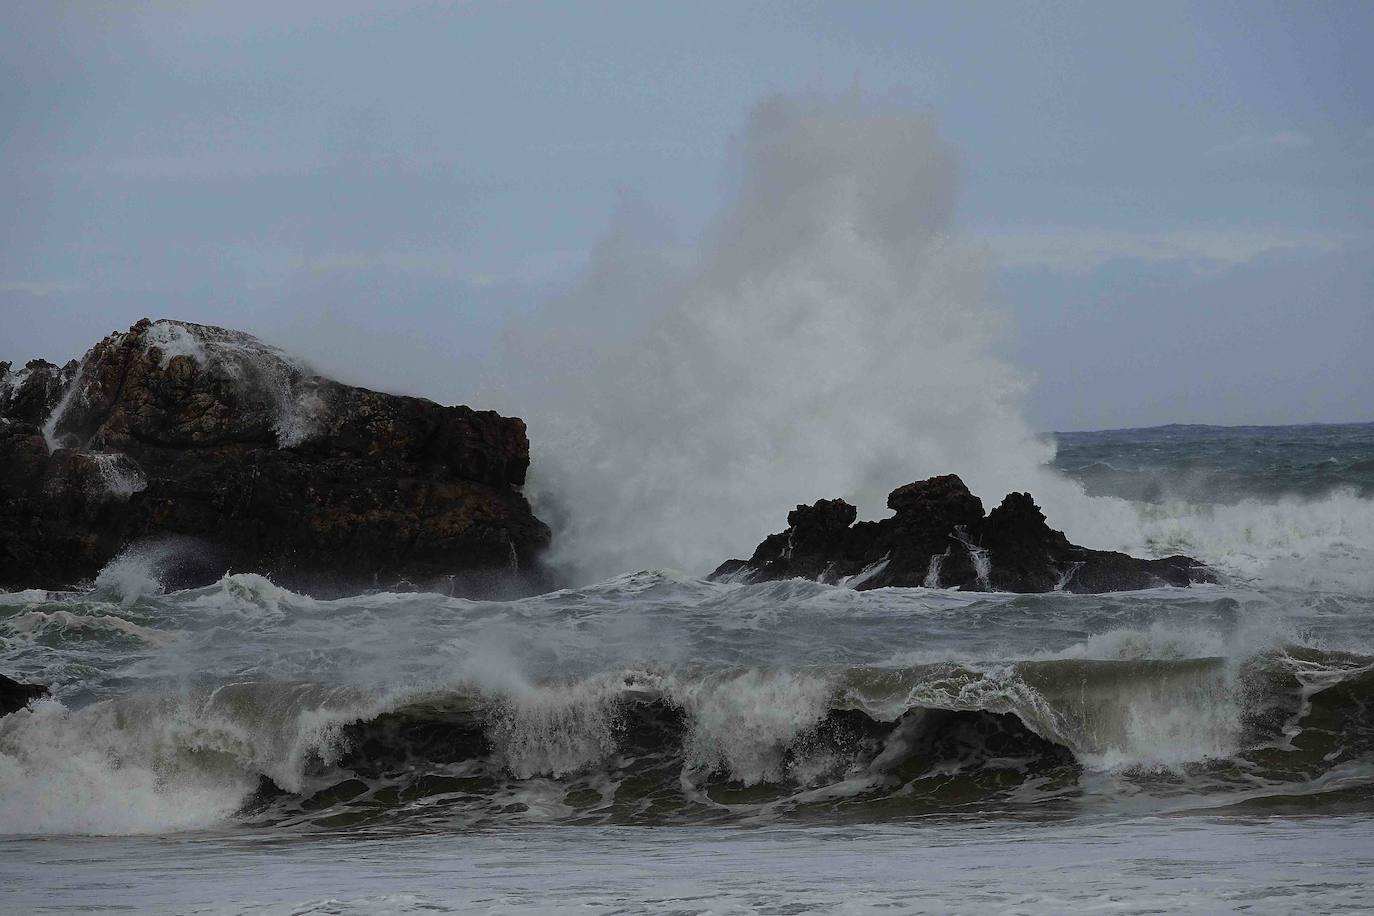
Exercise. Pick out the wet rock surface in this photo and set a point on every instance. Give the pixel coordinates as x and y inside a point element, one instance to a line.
<point>253,463</point>
<point>939,537</point>
<point>14,696</point>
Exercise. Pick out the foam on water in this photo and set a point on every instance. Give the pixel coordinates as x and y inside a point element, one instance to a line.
<point>186,758</point>
<point>137,571</point>
<point>744,723</point>
<point>1324,545</point>
<point>33,624</point>
<point>558,730</point>
<point>172,760</point>
<point>249,595</point>
<point>93,772</point>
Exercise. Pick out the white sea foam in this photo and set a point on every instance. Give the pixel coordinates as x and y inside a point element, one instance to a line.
<point>153,763</point>
<point>739,724</point>
<point>300,411</point>
<point>51,436</point>
<point>137,570</point>
<point>10,382</point>
<point>1325,544</point>
<point>248,595</point>
<point>129,577</point>
<point>120,476</point>
<point>261,371</point>
<point>559,729</point>
<point>174,339</point>
<point>744,723</point>
<point>95,772</point>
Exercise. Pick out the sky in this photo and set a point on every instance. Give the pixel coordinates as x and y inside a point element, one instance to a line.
<point>1176,199</point>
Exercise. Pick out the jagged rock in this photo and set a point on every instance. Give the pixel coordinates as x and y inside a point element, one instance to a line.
<point>28,395</point>
<point>1026,547</point>
<point>173,428</point>
<point>939,537</point>
<point>14,696</point>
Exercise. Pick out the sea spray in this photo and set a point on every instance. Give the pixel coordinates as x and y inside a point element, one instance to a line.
<point>98,771</point>
<point>557,730</point>
<point>51,437</point>
<point>264,377</point>
<point>743,724</point>
<point>829,338</point>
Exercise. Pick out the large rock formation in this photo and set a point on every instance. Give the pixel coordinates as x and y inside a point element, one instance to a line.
<point>176,429</point>
<point>939,537</point>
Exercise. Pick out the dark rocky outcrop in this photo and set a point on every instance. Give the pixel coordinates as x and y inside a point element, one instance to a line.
<point>14,696</point>
<point>176,429</point>
<point>938,536</point>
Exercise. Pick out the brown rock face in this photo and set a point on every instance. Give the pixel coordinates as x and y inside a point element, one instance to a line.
<point>175,429</point>
<point>939,537</point>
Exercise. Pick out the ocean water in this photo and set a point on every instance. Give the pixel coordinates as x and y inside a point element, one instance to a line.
<point>656,742</point>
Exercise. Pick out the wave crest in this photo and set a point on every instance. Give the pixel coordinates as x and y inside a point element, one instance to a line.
<point>635,745</point>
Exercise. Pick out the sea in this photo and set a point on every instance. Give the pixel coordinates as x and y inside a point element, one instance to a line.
<point>654,742</point>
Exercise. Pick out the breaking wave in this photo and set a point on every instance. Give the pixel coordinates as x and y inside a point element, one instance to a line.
<point>651,747</point>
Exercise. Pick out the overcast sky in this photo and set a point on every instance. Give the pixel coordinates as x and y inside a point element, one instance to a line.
<point>1179,198</point>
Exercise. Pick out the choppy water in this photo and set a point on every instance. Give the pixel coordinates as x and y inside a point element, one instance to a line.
<point>659,742</point>
<point>1222,464</point>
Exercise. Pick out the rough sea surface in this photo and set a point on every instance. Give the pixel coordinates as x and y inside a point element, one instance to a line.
<point>656,742</point>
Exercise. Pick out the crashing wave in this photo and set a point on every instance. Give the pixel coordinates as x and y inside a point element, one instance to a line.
<point>642,746</point>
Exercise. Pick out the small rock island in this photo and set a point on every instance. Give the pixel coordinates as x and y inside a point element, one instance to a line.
<point>939,537</point>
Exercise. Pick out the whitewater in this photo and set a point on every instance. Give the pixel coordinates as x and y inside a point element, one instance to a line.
<point>912,748</point>
<point>649,740</point>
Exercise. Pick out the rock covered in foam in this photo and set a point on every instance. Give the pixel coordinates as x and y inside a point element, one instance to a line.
<point>939,537</point>
<point>172,428</point>
<point>14,696</point>
<point>28,395</point>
